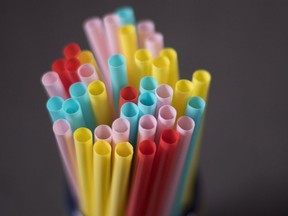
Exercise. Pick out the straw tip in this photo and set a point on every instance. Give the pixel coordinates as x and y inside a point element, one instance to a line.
<point>72,64</point>
<point>71,50</point>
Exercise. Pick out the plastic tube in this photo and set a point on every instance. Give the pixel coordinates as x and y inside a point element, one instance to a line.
<point>87,56</point>
<point>130,111</point>
<point>78,91</point>
<point>71,50</point>
<point>54,107</point>
<point>128,44</point>
<point>201,82</point>
<point>53,85</point>
<point>64,137</point>
<point>84,154</point>
<point>143,64</point>
<point>141,175</point>
<point>171,54</point>
<point>103,132</point>
<point>148,84</point>
<point>100,104</point>
<point>182,93</point>
<point>164,95</point>
<point>120,179</point>
<point>147,128</point>
<point>120,131</point>
<point>128,94</point>
<point>160,69</point>
<point>87,74</point>
<point>112,23</point>
<point>166,120</point>
<point>72,66</point>
<point>155,43</point>
<point>73,113</point>
<point>118,74</point>
<point>59,67</point>
<point>126,15</point>
<point>144,29</point>
<point>101,181</point>
<point>147,103</point>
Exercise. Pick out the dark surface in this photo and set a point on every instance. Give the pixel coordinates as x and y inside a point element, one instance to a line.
<point>242,43</point>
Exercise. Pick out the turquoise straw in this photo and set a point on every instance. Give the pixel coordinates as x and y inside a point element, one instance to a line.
<point>73,113</point>
<point>78,91</point>
<point>147,104</point>
<point>194,110</point>
<point>54,107</point>
<point>126,15</point>
<point>148,84</point>
<point>130,111</point>
<point>118,74</point>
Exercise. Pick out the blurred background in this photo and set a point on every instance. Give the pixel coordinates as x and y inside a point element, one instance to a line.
<point>244,44</point>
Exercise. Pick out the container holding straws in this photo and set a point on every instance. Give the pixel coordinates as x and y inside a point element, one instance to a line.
<point>128,129</point>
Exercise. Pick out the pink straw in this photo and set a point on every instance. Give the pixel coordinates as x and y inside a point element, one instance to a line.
<point>120,131</point>
<point>64,137</point>
<point>164,94</point>
<point>103,132</point>
<point>112,24</point>
<point>155,43</point>
<point>53,85</point>
<point>147,128</point>
<point>166,120</point>
<point>144,28</point>
<point>87,74</point>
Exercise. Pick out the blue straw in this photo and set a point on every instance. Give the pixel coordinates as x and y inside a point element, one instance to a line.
<point>195,109</point>
<point>147,104</point>
<point>130,111</point>
<point>54,107</point>
<point>118,74</point>
<point>73,113</point>
<point>126,15</point>
<point>148,84</point>
<point>78,91</point>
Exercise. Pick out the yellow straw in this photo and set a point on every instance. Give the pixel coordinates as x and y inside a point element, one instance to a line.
<point>201,82</point>
<point>87,56</point>
<point>160,69</point>
<point>143,63</point>
<point>171,54</point>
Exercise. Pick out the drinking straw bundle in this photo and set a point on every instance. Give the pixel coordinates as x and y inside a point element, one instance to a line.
<point>128,129</point>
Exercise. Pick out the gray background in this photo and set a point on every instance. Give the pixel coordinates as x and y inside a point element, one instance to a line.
<point>243,44</point>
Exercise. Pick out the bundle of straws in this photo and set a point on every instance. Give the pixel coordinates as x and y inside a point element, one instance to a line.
<point>147,123</point>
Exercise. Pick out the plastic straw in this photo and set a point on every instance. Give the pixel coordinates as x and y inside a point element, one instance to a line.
<point>120,179</point>
<point>64,137</point>
<point>144,29</point>
<point>128,94</point>
<point>103,132</point>
<point>72,66</point>
<point>160,69</point>
<point>147,128</point>
<point>78,91</point>
<point>101,181</point>
<point>120,131</point>
<point>141,173</point>
<point>112,23</point>
<point>87,74</point>
<point>73,113</point>
<point>182,93</point>
<point>128,44</point>
<point>155,43</point>
<point>164,158</point>
<point>148,84</point>
<point>71,50</point>
<point>201,82</point>
<point>185,127</point>
<point>59,67</point>
<point>118,74</point>
<point>194,110</point>
<point>84,155</point>
<point>171,54</point>
<point>53,85</point>
<point>100,104</point>
<point>130,111</point>
<point>126,15</point>
<point>54,107</point>
<point>143,64</point>
<point>164,95</point>
<point>166,120</point>
<point>147,103</point>
<point>87,56</point>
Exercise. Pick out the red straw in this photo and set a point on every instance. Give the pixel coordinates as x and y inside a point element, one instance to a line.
<point>141,174</point>
<point>72,66</point>
<point>59,67</point>
<point>128,94</point>
<point>71,50</point>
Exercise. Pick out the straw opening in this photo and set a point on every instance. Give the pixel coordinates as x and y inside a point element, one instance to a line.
<point>147,99</point>
<point>55,103</point>
<point>127,30</point>
<point>185,123</point>
<point>169,136</point>
<point>129,109</point>
<point>128,93</point>
<point>61,126</point>
<point>143,55</point>
<point>147,122</point>
<point>111,19</point>
<point>93,22</point>
<point>85,56</point>
<point>164,91</point>
<point>148,83</point>
<point>146,26</point>
<point>147,147</point>
<point>77,89</point>
<point>157,37</point>
<point>72,64</point>
<point>184,86</point>
<point>103,132</point>
<point>71,106</point>
<point>202,76</point>
<point>120,125</point>
<point>124,149</point>
<point>196,103</point>
<point>169,52</point>
<point>102,148</point>
<point>116,60</point>
<point>161,62</point>
<point>86,70</point>
<point>167,112</point>
<point>96,88</point>
<point>58,65</point>
<point>49,78</point>
<point>82,135</point>
<point>71,50</point>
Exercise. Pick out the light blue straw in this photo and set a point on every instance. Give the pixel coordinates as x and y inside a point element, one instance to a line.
<point>118,74</point>
<point>148,84</point>
<point>54,107</point>
<point>126,15</point>
<point>130,111</point>
<point>194,110</point>
<point>78,91</point>
<point>73,113</point>
<point>147,104</point>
